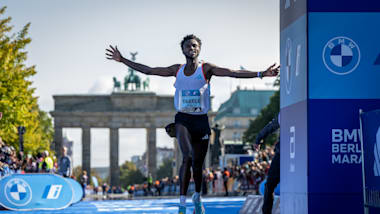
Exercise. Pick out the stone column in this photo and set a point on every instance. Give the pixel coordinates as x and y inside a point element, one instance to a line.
<point>151,151</point>
<point>58,141</point>
<point>114,157</point>
<point>86,150</point>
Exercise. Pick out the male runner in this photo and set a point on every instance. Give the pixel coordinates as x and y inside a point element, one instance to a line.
<point>192,101</point>
<point>274,171</point>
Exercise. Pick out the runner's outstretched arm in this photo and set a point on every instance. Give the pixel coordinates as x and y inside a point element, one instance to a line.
<point>114,54</point>
<point>211,69</point>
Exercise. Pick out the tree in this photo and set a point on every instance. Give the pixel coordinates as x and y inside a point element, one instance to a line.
<point>17,103</point>
<point>166,169</point>
<point>265,116</point>
<point>130,175</point>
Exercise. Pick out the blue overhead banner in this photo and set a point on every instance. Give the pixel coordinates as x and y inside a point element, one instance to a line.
<point>370,127</point>
<point>35,192</point>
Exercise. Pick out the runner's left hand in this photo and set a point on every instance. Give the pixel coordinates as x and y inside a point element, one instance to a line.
<point>272,71</point>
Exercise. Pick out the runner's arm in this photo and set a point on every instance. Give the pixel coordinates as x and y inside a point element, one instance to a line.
<point>114,54</point>
<point>211,69</point>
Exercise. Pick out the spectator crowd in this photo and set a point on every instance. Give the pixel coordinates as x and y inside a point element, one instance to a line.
<point>12,162</point>
<point>232,180</point>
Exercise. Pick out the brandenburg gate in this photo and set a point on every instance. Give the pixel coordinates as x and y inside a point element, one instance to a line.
<point>117,110</point>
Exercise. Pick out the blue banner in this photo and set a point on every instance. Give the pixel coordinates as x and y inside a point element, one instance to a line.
<point>35,192</point>
<point>343,53</point>
<point>334,157</point>
<point>370,129</point>
<point>334,142</point>
<point>77,188</point>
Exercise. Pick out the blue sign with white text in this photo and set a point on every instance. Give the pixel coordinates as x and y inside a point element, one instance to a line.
<point>342,57</point>
<point>334,139</point>
<point>35,191</point>
<point>334,160</point>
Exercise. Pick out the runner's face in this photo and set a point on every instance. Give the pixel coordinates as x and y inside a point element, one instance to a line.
<point>191,48</point>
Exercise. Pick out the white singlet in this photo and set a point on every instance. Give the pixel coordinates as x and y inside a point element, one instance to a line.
<point>192,94</point>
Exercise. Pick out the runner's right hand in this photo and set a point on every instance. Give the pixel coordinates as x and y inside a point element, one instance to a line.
<point>114,54</point>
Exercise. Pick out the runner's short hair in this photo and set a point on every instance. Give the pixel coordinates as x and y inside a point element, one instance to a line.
<point>191,36</point>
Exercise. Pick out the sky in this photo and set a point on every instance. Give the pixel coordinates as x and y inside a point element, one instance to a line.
<point>69,39</point>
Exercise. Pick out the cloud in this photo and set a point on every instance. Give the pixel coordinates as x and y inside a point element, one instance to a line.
<point>102,85</point>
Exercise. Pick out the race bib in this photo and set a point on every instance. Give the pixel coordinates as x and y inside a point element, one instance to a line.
<point>191,101</point>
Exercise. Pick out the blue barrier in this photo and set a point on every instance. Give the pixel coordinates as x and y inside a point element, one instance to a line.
<point>24,192</point>
<point>78,190</point>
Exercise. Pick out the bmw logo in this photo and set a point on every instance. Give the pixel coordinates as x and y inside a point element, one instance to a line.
<point>341,55</point>
<point>18,192</point>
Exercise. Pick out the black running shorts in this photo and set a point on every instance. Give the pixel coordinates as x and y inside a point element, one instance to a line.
<point>197,125</point>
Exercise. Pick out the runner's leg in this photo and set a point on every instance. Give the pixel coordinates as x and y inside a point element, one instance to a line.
<point>199,154</point>
<point>184,139</point>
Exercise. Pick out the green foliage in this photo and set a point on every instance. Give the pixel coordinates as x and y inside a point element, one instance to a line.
<point>17,103</point>
<point>265,116</point>
<point>165,170</point>
<point>129,174</point>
